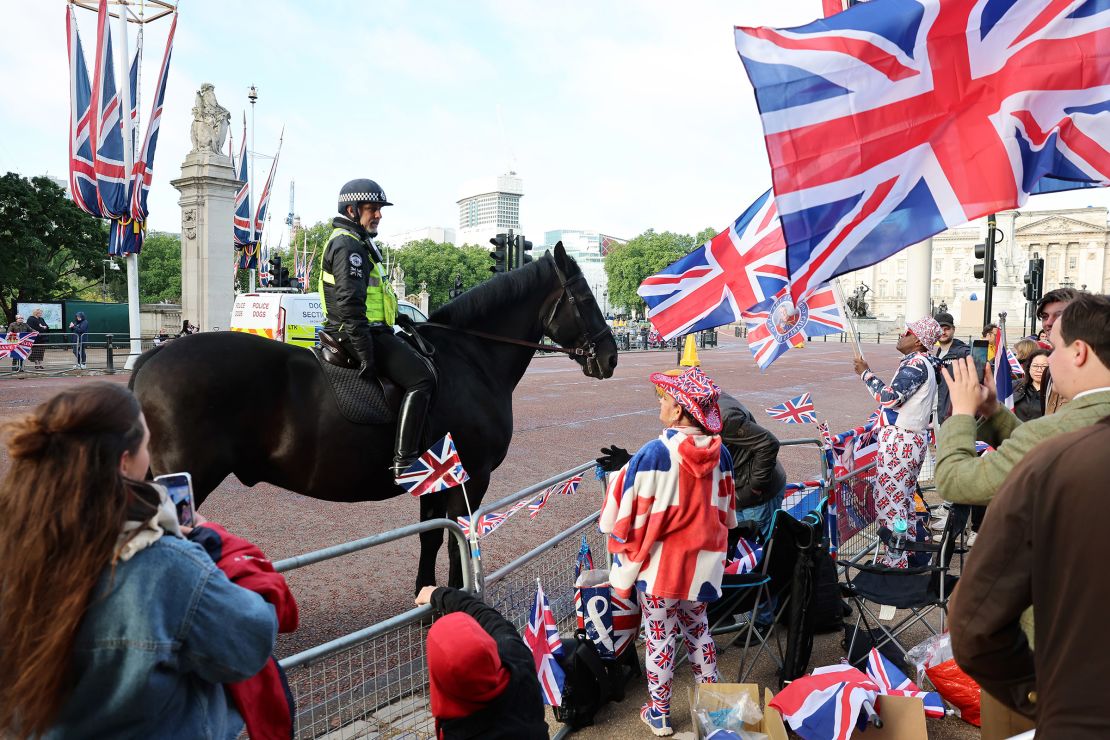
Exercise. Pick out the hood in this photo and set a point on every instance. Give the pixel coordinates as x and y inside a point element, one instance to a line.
<point>700,453</point>
<point>464,668</point>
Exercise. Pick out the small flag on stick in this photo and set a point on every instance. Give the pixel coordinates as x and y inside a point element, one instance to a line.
<point>542,636</point>
<point>436,470</point>
<point>798,410</point>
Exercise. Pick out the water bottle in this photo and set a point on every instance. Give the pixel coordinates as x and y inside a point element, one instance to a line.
<point>900,535</point>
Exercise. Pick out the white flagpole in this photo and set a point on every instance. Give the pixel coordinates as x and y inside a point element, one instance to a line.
<point>843,305</point>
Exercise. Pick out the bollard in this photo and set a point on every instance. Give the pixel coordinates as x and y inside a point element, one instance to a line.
<point>111,360</point>
<point>737,332</point>
<point>878,338</point>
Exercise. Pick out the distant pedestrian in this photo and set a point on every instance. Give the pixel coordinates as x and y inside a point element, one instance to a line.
<point>38,323</point>
<point>80,328</point>
<point>19,326</point>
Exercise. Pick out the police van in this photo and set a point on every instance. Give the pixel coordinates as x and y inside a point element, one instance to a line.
<point>294,318</point>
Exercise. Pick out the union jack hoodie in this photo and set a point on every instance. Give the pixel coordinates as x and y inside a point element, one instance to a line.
<point>667,513</point>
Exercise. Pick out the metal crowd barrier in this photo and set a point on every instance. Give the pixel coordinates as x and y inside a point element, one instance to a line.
<point>104,352</point>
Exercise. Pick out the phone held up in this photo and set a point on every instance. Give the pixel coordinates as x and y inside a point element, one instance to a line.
<point>979,349</point>
<point>179,486</point>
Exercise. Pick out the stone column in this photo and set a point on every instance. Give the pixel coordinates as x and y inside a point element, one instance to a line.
<point>208,187</point>
<point>919,279</point>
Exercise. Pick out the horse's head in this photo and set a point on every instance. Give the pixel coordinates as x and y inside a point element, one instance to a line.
<point>572,319</point>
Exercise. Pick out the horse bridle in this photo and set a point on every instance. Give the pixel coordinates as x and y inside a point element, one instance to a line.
<point>586,348</point>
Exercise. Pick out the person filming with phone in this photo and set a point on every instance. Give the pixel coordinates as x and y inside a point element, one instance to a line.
<point>114,623</point>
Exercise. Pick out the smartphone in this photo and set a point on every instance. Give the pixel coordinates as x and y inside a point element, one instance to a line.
<point>179,486</point>
<point>979,356</point>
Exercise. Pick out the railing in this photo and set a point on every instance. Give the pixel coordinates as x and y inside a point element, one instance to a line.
<point>64,352</point>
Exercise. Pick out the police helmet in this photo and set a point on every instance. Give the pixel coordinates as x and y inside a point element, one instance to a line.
<point>357,192</point>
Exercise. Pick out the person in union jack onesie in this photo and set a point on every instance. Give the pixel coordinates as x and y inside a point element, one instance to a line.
<point>667,512</point>
<point>905,406</point>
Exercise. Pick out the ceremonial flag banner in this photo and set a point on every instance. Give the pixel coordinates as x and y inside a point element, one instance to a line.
<point>436,470</point>
<point>774,329</point>
<point>894,120</point>
<point>797,410</point>
<point>734,271</point>
<point>17,344</point>
<point>542,636</point>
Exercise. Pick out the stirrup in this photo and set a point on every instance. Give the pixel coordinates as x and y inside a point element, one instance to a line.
<point>401,465</point>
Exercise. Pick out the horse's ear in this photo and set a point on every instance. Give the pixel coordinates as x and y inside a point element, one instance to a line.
<point>560,255</point>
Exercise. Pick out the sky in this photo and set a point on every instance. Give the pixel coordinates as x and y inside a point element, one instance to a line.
<point>619,116</point>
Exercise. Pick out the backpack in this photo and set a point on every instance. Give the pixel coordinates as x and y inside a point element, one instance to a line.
<point>591,682</point>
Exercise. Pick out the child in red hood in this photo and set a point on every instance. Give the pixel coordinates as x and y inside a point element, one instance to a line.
<point>482,675</point>
<point>667,513</point>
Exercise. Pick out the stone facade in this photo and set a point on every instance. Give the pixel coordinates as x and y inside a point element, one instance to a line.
<point>1074,243</point>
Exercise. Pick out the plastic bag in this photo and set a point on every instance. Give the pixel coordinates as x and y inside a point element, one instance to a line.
<point>957,688</point>
<point>930,652</point>
<point>734,713</point>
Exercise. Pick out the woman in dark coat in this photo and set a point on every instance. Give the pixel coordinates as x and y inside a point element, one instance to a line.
<point>1028,403</point>
<point>38,323</point>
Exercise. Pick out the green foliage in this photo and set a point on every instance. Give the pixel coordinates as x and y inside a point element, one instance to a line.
<point>628,264</point>
<point>49,248</point>
<point>160,269</point>
<point>437,264</point>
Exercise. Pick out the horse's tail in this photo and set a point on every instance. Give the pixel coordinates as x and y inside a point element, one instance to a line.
<point>143,358</point>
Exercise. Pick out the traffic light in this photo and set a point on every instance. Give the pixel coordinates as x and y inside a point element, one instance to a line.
<point>523,247</point>
<point>500,254</point>
<point>1034,280</point>
<point>981,267</point>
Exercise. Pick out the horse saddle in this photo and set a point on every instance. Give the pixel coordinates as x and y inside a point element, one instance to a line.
<point>361,401</point>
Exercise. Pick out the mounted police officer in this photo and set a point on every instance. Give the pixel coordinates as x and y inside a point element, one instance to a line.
<point>360,309</point>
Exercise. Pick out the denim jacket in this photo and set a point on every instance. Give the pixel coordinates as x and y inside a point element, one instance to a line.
<point>160,637</point>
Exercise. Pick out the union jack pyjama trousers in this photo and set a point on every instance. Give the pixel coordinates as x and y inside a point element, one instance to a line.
<point>663,620</point>
<point>901,453</point>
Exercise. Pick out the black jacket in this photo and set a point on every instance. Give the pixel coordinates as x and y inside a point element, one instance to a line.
<point>756,471</point>
<point>1028,403</point>
<point>518,712</point>
<point>944,403</point>
<point>350,262</point>
<point>37,324</point>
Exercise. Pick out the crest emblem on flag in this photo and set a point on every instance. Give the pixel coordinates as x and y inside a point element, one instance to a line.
<point>436,470</point>
<point>17,344</point>
<point>797,410</point>
<point>542,636</point>
<point>775,329</point>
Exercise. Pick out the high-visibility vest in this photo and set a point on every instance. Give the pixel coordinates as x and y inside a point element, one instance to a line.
<point>381,301</point>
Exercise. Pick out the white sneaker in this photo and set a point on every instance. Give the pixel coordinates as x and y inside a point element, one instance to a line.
<point>971,538</point>
<point>939,524</point>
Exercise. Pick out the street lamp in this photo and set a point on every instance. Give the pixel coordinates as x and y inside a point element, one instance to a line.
<point>104,276</point>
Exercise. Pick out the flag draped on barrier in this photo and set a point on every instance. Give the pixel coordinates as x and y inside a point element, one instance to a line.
<point>103,130</point>
<point>895,120</point>
<point>564,488</point>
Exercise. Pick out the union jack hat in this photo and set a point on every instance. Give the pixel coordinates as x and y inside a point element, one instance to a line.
<point>696,393</point>
<point>926,329</point>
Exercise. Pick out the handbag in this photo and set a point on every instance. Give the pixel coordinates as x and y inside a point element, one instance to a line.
<point>610,621</point>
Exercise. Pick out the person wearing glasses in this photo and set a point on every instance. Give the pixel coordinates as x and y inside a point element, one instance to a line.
<point>1028,403</point>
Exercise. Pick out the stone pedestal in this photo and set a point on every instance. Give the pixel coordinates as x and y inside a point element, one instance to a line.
<point>208,187</point>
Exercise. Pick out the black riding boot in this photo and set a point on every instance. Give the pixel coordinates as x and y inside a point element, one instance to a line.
<point>410,429</point>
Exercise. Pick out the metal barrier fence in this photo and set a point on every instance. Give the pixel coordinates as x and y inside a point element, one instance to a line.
<point>57,354</point>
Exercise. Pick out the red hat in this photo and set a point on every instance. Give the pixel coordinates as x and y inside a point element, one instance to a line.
<point>464,667</point>
<point>696,393</point>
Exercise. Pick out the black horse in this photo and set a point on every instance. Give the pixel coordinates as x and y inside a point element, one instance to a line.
<point>227,402</point>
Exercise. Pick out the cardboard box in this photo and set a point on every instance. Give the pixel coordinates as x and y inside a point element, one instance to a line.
<point>903,719</point>
<point>716,698</point>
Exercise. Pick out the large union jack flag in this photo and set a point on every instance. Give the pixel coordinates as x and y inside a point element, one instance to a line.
<point>894,120</point>
<point>436,470</point>
<point>774,329</point>
<point>241,222</point>
<point>828,703</point>
<point>143,174</point>
<point>739,268</point>
<point>542,636</point>
<point>14,343</point>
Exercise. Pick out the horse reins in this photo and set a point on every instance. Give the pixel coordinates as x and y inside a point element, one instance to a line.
<point>587,349</point>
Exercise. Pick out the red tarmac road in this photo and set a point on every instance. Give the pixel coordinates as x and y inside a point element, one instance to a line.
<point>562,419</point>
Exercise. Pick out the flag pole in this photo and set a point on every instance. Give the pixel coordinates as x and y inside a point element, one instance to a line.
<point>857,347</point>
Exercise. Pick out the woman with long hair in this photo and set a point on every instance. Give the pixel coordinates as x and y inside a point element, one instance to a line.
<point>1028,400</point>
<point>112,623</point>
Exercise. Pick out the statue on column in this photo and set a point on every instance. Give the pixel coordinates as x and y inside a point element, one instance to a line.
<point>210,122</point>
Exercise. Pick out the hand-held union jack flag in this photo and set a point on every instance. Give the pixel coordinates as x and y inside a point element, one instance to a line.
<point>542,636</point>
<point>797,410</point>
<point>774,329</point>
<point>732,272</point>
<point>895,120</point>
<point>17,344</point>
<point>436,470</point>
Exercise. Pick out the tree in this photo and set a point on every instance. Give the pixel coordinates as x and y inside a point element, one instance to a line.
<point>49,248</point>
<point>627,265</point>
<point>160,268</point>
<point>437,264</point>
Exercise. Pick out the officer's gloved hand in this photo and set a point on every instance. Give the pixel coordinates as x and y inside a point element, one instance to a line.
<point>363,347</point>
<point>613,458</point>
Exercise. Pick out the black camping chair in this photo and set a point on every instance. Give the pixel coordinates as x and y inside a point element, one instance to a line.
<point>742,594</point>
<point>919,590</point>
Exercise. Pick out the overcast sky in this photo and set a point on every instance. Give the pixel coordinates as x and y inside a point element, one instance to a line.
<point>619,116</point>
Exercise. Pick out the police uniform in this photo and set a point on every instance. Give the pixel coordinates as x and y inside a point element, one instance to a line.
<point>360,307</point>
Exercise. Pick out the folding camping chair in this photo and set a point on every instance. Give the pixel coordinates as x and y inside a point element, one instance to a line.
<point>746,592</point>
<point>919,590</point>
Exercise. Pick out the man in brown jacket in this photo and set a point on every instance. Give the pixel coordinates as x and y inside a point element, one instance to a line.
<point>1042,545</point>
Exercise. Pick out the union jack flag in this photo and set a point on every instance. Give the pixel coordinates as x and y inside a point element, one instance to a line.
<point>745,558</point>
<point>17,344</point>
<point>436,470</point>
<point>242,232</point>
<point>774,329</point>
<point>143,173</point>
<point>797,410</point>
<point>491,521</point>
<point>264,198</point>
<point>891,680</point>
<point>82,176</point>
<point>828,703</point>
<point>1003,380</point>
<point>893,121</point>
<point>542,636</point>
<point>108,162</point>
<point>567,487</point>
<point>1015,364</point>
<point>739,268</point>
